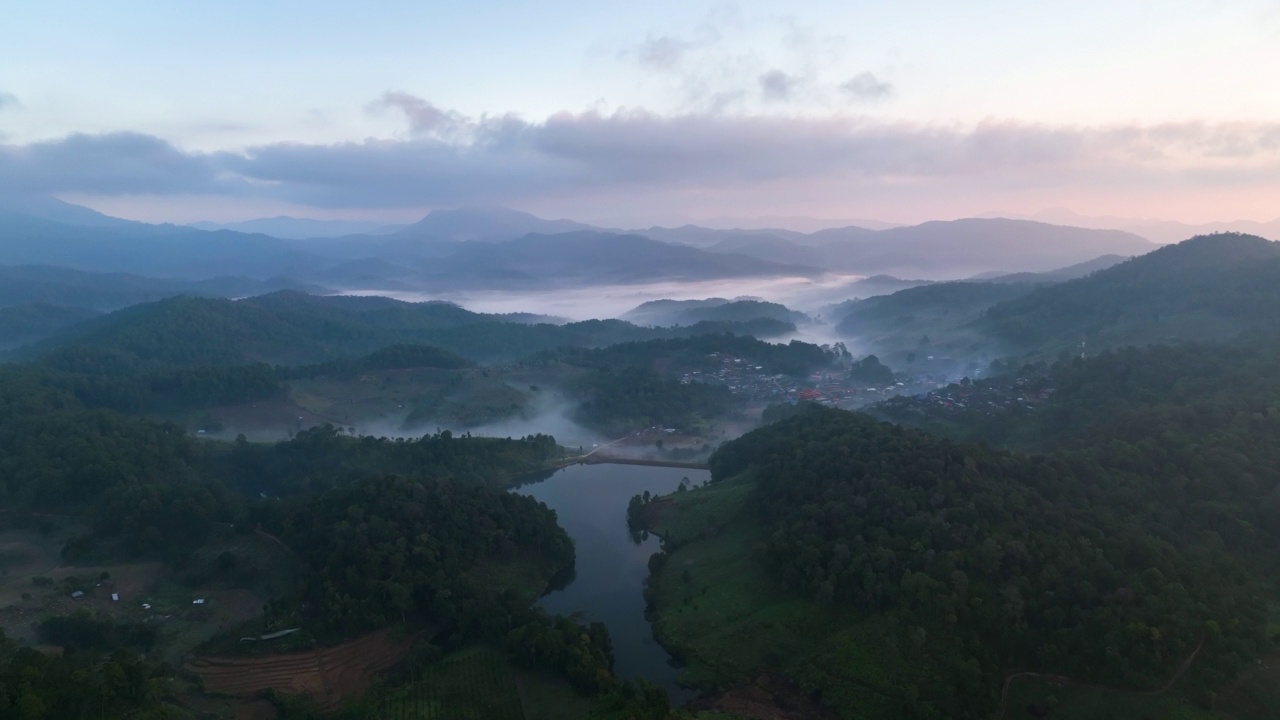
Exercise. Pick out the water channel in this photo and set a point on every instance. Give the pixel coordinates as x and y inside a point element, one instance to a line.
<point>591,504</point>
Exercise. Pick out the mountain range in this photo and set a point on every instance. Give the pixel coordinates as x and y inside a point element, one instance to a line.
<point>1210,288</point>
<point>489,248</point>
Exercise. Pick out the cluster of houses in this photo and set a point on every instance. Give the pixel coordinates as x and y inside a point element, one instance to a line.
<point>986,398</point>
<point>827,387</point>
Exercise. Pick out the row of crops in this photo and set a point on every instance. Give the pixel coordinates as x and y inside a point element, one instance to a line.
<point>473,685</point>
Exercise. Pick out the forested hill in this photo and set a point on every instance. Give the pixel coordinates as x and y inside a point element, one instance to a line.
<point>292,328</point>
<point>689,312</point>
<point>1211,288</point>
<point>701,352</point>
<point>1108,565</point>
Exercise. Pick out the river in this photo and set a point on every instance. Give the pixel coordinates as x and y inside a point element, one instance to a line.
<point>591,504</point>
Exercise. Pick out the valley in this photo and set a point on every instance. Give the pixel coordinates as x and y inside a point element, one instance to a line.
<point>681,510</point>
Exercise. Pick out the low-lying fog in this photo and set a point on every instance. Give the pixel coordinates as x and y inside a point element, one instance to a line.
<point>610,301</point>
<point>553,416</point>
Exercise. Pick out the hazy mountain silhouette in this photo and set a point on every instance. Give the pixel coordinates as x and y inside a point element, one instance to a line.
<point>491,223</point>
<point>962,248</point>
<point>291,228</point>
<point>46,285</point>
<point>497,247</point>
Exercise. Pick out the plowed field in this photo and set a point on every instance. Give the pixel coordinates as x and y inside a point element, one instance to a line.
<point>328,675</point>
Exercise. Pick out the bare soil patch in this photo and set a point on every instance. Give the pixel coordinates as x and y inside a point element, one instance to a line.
<point>328,675</point>
<point>130,582</point>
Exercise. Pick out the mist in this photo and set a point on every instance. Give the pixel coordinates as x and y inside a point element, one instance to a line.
<point>595,302</point>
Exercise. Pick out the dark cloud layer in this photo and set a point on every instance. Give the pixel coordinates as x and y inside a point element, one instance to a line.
<point>866,86</point>
<point>659,53</point>
<point>778,86</point>
<point>451,159</point>
<point>113,164</point>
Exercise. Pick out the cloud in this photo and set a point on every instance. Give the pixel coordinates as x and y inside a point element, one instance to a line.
<point>113,164</point>
<point>866,86</point>
<point>647,157</point>
<point>8,100</point>
<point>778,86</point>
<point>424,118</point>
<point>663,52</point>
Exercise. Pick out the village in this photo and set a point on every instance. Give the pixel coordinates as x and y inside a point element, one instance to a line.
<point>983,397</point>
<point>832,387</point>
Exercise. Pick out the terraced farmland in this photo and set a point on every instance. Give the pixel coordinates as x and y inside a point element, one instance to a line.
<point>328,675</point>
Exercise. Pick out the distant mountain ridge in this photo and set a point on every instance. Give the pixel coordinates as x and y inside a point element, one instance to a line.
<point>1209,289</point>
<point>291,228</point>
<point>101,292</point>
<point>1157,231</point>
<point>485,248</point>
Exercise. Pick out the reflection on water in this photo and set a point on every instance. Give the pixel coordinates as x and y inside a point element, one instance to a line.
<point>591,504</point>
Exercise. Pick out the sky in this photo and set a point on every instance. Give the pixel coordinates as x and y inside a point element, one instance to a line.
<point>633,114</point>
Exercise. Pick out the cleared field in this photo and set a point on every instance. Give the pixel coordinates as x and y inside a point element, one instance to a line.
<point>327,675</point>
<point>25,554</point>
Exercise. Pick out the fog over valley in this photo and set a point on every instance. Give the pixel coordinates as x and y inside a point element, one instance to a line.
<point>671,361</point>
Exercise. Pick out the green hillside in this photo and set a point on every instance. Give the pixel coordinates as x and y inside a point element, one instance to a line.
<point>896,574</point>
<point>291,328</point>
<point>1208,288</point>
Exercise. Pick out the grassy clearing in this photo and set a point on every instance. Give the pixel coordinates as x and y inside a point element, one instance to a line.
<point>717,609</point>
<point>25,554</point>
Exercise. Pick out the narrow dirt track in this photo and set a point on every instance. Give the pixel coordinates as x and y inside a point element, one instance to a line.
<point>1063,680</point>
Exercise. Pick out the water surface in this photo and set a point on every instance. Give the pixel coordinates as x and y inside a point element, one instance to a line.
<point>591,504</point>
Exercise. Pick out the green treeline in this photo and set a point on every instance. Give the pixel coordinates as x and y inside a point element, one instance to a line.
<point>619,402</point>
<point>1107,564</point>
<point>870,371</point>
<point>323,458</point>
<point>693,353</point>
<point>1211,287</point>
<point>387,548</point>
<point>78,684</point>
<point>291,328</point>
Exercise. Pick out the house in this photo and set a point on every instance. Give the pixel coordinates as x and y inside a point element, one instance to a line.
<point>198,601</point>
<point>115,597</point>
<point>77,595</point>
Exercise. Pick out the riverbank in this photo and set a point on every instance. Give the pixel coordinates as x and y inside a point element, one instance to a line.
<point>605,459</point>
<point>590,500</point>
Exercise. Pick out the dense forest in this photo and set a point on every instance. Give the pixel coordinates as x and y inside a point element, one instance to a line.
<point>292,328</point>
<point>78,684</point>
<point>1144,530</point>
<point>1208,288</point>
<point>675,355</point>
<point>621,402</point>
<point>421,532</point>
<point>1091,510</point>
<point>382,548</point>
